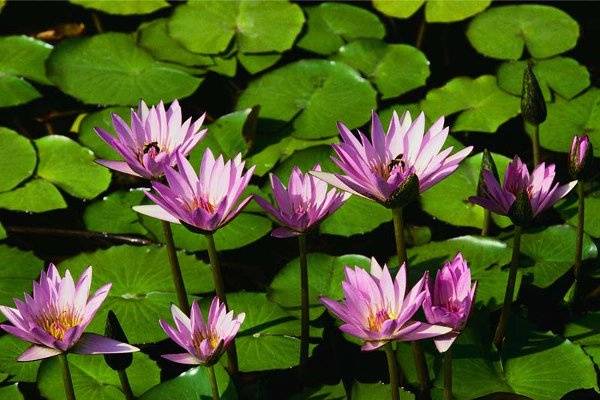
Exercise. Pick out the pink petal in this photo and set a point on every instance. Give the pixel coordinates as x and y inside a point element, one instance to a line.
<point>443,343</point>
<point>120,166</point>
<point>156,211</point>
<point>91,343</point>
<point>35,353</point>
<point>182,358</point>
<point>283,232</point>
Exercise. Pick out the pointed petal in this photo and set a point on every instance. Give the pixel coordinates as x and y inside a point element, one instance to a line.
<point>35,353</point>
<point>182,358</point>
<point>91,343</point>
<point>156,211</point>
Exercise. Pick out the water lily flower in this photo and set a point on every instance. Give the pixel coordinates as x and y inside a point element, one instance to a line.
<point>54,317</point>
<point>580,155</point>
<point>303,204</point>
<point>151,142</point>
<point>376,310</point>
<point>448,300</point>
<point>393,168</point>
<point>203,341</point>
<point>537,191</point>
<point>203,202</point>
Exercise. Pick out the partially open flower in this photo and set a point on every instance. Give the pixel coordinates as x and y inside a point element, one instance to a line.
<point>151,142</point>
<point>376,310</point>
<point>203,341</point>
<point>448,301</point>
<point>580,156</point>
<point>54,318</point>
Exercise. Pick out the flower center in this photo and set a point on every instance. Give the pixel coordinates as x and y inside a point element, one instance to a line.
<point>198,338</point>
<point>385,170</point>
<point>377,319</point>
<point>201,203</point>
<point>151,148</point>
<point>57,324</point>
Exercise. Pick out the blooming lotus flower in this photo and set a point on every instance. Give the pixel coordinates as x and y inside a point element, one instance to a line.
<point>151,142</point>
<point>393,168</point>
<point>580,155</point>
<point>204,202</point>
<point>204,342</point>
<point>537,191</point>
<point>54,318</point>
<point>303,204</point>
<point>448,301</point>
<point>376,310</point>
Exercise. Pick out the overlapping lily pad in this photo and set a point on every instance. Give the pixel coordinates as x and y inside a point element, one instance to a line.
<point>19,269</point>
<point>584,332</point>
<point>101,119</point>
<point>504,32</point>
<point>36,196</point>
<point>11,348</point>
<point>435,10</point>
<point>568,210</point>
<point>325,392</point>
<point>113,213</point>
<point>10,392</point>
<point>123,7</point>
<point>17,159</point>
<point>374,391</point>
<point>312,95</point>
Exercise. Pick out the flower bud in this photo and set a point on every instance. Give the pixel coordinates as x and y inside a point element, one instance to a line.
<point>487,164</point>
<point>521,213</point>
<point>580,156</point>
<point>113,330</point>
<point>533,106</point>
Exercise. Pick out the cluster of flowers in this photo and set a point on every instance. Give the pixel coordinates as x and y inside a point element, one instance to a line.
<point>391,168</point>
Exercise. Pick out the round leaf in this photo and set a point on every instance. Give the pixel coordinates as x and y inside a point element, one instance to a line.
<point>113,213</point>
<point>376,391</point>
<point>71,167</point>
<point>591,223</point>
<point>110,69</point>
<point>394,68</point>
<point>17,159</point>
<point>451,11</point>
<point>101,119</point>
<point>16,91</point>
<point>19,270</point>
<point>36,195</point>
<point>357,216</point>
<point>10,349</point>
<point>10,392</point>
<point>503,32</point>
<point>398,9</point>
<point>126,7</point>
<point>255,63</point>
<point>313,95</point>
<point>325,392</point>
<point>24,56</point>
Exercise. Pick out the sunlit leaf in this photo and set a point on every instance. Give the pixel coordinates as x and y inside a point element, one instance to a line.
<point>568,210</point>
<point>113,213</point>
<point>17,159</point>
<point>36,196</point>
<point>123,7</point>
<point>101,119</point>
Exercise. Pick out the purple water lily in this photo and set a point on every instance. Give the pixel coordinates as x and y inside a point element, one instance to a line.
<point>380,168</point>
<point>205,201</point>
<point>54,318</point>
<point>449,299</point>
<point>580,154</point>
<point>151,142</point>
<point>303,204</point>
<point>204,342</point>
<point>376,310</point>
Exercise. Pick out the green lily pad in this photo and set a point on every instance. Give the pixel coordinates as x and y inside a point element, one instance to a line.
<point>110,69</point>
<point>71,167</point>
<point>550,253</point>
<point>503,32</point>
<point>435,10</point>
<point>486,258</point>
<point>325,392</point>
<point>562,75</point>
<point>10,392</point>
<point>16,91</point>
<point>357,216</point>
<point>306,159</point>
<point>394,68</point>
<point>448,200</point>
<point>254,63</point>
<point>255,26</point>
<point>10,349</point>
<point>584,332</point>
<point>2,232</point>
<point>19,270</point>
<point>127,7</point>
<point>483,106</point>
<point>17,159</point>
<point>325,276</point>
<point>268,338</point>
<point>376,391</point>
<point>591,223</point>
<point>572,117</point>
<point>35,196</point>
<point>312,95</point>
<point>330,25</point>
<point>101,119</point>
<point>142,289</point>
<point>113,213</point>
<point>93,379</point>
<point>193,384</point>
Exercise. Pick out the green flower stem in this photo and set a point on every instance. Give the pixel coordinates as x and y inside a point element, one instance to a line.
<point>182,298</point>
<point>393,370</point>
<point>487,221</point>
<point>448,375</point>
<point>125,385</point>
<point>304,302</point>
<point>220,289</point>
<point>535,141</point>
<point>510,288</point>
<point>213,383</point>
<point>422,371</point>
<point>579,248</point>
<point>398,219</point>
<point>67,380</point>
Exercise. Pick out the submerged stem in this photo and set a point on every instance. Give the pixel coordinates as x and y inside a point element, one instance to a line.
<point>304,301</point>
<point>393,370</point>
<point>67,380</point>
<point>579,248</point>
<point>125,385</point>
<point>213,383</point>
<point>448,374</point>
<point>422,371</point>
<point>175,268</point>
<point>510,288</point>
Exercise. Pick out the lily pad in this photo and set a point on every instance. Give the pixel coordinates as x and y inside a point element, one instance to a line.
<point>325,392</point>
<point>17,159</point>
<point>584,332</point>
<point>591,224</point>
<point>325,276</point>
<point>254,63</point>
<point>142,289</point>
<point>572,117</point>
<point>330,25</point>
<point>504,32</point>
<point>448,199</point>
<point>376,391</point>
<point>306,159</point>
<point>16,91</point>
<point>93,379</point>
<point>128,7</point>
<point>71,167</point>
<point>19,270</point>
<point>10,392</point>
<point>101,119</point>
<point>394,68</point>
<point>35,196</point>
<point>255,26</point>
<point>193,384</point>
<point>10,349</point>
<point>357,216</point>
<point>562,75</point>
<point>113,213</point>
<point>551,251</point>
<point>483,106</point>
<point>435,10</point>
<point>110,69</point>
<point>268,338</point>
<point>312,95</point>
